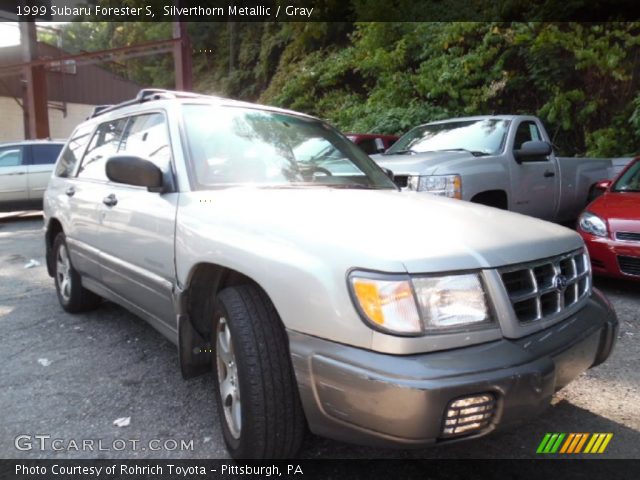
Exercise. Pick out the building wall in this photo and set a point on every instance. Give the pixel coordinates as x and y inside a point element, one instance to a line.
<point>60,127</point>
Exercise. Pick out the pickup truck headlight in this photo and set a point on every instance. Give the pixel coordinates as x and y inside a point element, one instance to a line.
<point>444,185</point>
<point>592,224</point>
<point>414,306</point>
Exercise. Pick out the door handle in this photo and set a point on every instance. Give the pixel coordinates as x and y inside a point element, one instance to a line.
<point>71,191</point>
<point>110,200</point>
<point>549,173</point>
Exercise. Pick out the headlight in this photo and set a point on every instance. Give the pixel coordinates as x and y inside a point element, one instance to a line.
<point>592,224</point>
<point>438,304</point>
<point>444,185</point>
<point>388,304</point>
<point>451,302</point>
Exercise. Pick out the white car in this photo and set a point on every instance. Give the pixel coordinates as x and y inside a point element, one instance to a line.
<point>25,169</point>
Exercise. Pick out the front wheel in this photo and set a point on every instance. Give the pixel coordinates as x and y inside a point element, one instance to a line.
<point>257,395</point>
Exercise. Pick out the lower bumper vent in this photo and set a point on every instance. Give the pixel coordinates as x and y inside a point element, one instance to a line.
<point>469,415</point>
<point>629,265</point>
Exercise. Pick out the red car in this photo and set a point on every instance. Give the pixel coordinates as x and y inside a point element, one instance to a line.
<point>610,226</point>
<point>372,143</point>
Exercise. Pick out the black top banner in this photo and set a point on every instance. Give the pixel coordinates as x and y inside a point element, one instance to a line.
<point>320,10</point>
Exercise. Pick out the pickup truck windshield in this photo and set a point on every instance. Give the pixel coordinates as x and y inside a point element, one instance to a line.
<point>480,137</point>
<point>630,180</point>
<point>234,146</point>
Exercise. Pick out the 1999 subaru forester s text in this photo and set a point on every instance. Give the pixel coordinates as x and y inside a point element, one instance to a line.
<point>271,249</point>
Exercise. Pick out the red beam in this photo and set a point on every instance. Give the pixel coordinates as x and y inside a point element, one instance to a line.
<point>89,55</point>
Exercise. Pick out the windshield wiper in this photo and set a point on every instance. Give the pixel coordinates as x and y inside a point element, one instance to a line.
<point>475,153</point>
<point>401,152</point>
<point>354,186</point>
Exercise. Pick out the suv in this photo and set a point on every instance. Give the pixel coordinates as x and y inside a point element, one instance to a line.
<point>25,169</point>
<point>318,293</point>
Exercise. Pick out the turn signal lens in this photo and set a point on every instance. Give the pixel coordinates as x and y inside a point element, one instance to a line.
<point>389,304</point>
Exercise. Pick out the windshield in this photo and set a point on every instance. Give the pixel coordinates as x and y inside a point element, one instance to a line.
<point>630,180</point>
<point>480,137</point>
<point>233,146</point>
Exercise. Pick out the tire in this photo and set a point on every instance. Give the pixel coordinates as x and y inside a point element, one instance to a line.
<point>256,390</point>
<point>73,297</point>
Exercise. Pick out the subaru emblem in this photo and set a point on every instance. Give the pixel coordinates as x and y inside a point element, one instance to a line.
<point>560,282</point>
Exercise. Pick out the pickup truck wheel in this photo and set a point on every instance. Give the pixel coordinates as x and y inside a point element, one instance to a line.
<point>256,390</point>
<point>73,297</point>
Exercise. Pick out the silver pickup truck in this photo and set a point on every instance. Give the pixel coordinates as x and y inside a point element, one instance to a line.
<point>224,226</point>
<point>503,161</point>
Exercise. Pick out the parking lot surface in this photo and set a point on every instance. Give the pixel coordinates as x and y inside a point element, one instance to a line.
<point>69,377</point>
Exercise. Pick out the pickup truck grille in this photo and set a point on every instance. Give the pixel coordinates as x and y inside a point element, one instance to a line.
<point>546,288</point>
<point>629,265</point>
<point>628,236</point>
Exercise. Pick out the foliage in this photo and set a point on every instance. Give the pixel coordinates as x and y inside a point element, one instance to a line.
<point>581,79</point>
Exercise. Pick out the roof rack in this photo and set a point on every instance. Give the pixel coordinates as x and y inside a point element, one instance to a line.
<point>144,95</point>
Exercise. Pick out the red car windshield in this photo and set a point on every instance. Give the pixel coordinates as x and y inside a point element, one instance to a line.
<point>630,180</point>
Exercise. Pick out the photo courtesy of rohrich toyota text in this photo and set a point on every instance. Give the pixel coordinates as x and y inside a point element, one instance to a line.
<point>356,239</point>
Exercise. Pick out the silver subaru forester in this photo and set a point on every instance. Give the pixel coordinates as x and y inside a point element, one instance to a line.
<point>273,251</point>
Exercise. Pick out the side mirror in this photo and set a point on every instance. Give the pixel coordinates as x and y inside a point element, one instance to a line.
<point>603,185</point>
<point>533,150</point>
<point>132,170</point>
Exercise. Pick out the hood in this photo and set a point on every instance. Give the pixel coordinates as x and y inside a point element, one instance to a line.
<point>621,210</point>
<point>378,230</point>
<point>420,163</point>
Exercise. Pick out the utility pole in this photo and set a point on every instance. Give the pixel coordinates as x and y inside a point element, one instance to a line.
<point>35,87</point>
<point>182,53</point>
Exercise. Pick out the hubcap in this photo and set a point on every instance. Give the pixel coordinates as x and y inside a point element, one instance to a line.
<point>63,267</point>
<point>228,378</point>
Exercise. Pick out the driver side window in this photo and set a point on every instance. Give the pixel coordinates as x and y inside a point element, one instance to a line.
<point>527,131</point>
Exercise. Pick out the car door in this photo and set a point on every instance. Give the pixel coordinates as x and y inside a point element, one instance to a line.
<point>137,226</point>
<point>42,159</point>
<point>534,182</point>
<point>86,192</point>
<point>13,176</point>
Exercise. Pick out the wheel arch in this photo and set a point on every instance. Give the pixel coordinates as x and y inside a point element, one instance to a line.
<point>195,304</point>
<point>54,227</point>
<point>492,198</point>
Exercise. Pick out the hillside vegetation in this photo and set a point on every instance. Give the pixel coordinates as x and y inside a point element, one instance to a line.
<point>581,79</point>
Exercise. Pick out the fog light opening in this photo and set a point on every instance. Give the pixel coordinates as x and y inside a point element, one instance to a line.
<point>468,415</point>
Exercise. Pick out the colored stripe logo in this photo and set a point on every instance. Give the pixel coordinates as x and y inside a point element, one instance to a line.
<point>574,443</point>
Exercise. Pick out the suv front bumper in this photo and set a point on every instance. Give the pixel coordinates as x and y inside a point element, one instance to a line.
<point>365,397</point>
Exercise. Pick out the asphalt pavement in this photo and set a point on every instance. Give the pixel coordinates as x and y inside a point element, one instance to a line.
<point>66,378</point>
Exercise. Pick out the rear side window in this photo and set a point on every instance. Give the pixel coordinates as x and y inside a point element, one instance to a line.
<point>103,145</point>
<point>45,154</point>
<point>10,156</point>
<point>73,152</point>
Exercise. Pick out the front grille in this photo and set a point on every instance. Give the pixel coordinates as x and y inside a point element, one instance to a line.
<point>401,180</point>
<point>628,236</point>
<point>629,265</point>
<point>468,415</point>
<point>541,289</point>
